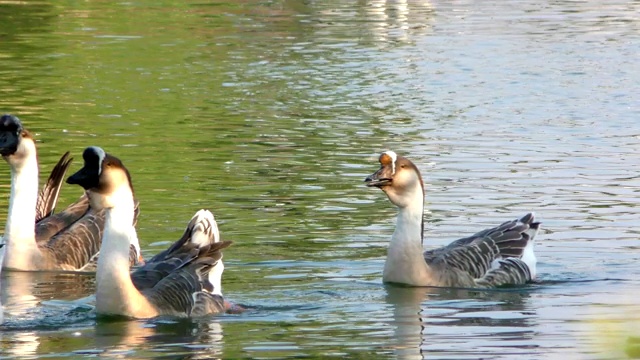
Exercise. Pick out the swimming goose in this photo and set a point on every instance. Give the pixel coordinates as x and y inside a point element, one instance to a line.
<point>183,281</point>
<point>499,256</point>
<point>65,241</point>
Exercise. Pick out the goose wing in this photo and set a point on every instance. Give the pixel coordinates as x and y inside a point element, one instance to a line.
<point>76,246</point>
<point>188,289</point>
<point>476,254</point>
<point>48,196</point>
<point>201,231</point>
<point>509,271</point>
<point>47,227</point>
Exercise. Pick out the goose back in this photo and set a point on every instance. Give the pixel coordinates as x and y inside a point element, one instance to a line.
<point>492,255</point>
<point>187,290</point>
<point>201,230</point>
<point>177,281</point>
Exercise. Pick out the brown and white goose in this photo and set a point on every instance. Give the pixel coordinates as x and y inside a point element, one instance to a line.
<point>499,256</point>
<point>184,280</point>
<point>65,241</point>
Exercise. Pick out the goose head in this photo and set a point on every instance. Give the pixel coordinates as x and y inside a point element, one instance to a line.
<point>105,179</point>
<point>399,178</point>
<point>16,144</point>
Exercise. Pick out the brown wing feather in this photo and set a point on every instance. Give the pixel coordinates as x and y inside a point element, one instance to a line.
<point>48,196</point>
<point>51,225</point>
<point>75,247</point>
<point>82,235</point>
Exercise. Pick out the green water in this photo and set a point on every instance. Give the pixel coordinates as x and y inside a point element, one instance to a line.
<point>271,114</point>
<point>187,97</point>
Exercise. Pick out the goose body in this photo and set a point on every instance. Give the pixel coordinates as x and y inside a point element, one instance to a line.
<point>494,257</point>
<point>35,238</point>
<point>183,281</point>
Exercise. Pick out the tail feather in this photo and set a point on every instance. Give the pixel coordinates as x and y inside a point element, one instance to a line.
<point>203,228</point>
<point>511,271</point>
<point>513,237</point>
<point>188,289</point>
<point>197,241</point>
<point>199,232</point>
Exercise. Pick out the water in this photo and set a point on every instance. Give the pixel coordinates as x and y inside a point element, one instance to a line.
<point>272,113</point>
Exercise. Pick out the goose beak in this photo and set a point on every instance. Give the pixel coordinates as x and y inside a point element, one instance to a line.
<point>8,143</point>
<point>10,129</point>
<point>77,178</point>
<point>85,178</point>
<point>376,179</point>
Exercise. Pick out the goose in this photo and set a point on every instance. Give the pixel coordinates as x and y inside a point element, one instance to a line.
<point>182,281</point>
<point>65,241</point>
<point>494,257</point>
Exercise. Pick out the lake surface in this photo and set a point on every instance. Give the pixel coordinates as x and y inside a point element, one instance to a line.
<point>272,113</point>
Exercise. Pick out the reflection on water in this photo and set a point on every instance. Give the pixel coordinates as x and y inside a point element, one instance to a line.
<point>22,292</point>
<point>27,314</point>
<point>271,114</point>
<point>408,319</point>
<point>494,317</point>
<point>199,340</point>
<point>460,323</point>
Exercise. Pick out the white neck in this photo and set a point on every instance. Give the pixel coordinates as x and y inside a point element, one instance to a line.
<point>115,292</point>
<point>20,229</point>
<point>405,261</point>
<point>215,277</point>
